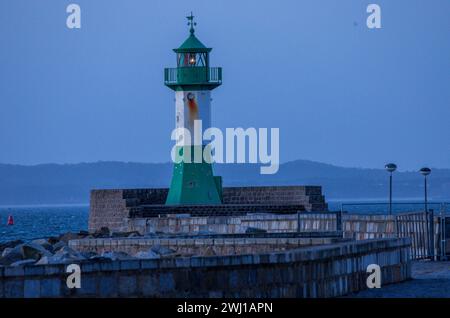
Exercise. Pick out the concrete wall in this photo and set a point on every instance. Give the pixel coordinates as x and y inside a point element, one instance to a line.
<point>354,226</point>
<point>324,271</point>
<point>361,227</point>
<point>109,208</point>
<point>219,225</point>
<point>199,246</point>
<point>310,196</point>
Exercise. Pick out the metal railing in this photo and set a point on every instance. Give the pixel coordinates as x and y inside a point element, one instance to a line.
<point>418,226</point>
<point>215,75</point>
<point>427,229</point>
<point>170,75</point>
<point>399,207</point>
<point>192,75</point>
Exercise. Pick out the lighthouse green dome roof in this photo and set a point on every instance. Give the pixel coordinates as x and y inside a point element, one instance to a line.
<point>192,44</point>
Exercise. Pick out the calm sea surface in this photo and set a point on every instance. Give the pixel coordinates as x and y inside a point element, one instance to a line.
<point>43,221</point>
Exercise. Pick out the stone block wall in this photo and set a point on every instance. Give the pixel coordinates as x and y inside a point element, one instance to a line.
<point>355,226</point>
<point>310,196</point>
<point>362,227</point>
<point>107,209</point>
<point>325,271</point>
<point>110,208</point>
<point>199,246</point>
<point>176,224</point>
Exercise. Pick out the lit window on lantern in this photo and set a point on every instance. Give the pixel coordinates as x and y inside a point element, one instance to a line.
<point>192,59</point>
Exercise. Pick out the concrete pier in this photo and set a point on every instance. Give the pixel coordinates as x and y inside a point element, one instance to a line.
<point>322,271</point>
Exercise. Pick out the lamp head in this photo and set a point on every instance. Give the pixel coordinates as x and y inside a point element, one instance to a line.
<point>390,167</point>
<point>425,171</point>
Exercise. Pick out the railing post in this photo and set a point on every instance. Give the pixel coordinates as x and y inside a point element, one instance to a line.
<point>396,224</point>
<point>339,221</point>
<point>298,221</point>
<point>443,232</point>
<point>431,223</point>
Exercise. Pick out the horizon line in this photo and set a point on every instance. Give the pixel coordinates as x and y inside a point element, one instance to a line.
<point>168,162</point>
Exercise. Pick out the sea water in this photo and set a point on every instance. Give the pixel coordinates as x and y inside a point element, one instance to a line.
<point>32,222</point>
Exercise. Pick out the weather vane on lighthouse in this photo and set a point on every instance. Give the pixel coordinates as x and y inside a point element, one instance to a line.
<point>191,23</point>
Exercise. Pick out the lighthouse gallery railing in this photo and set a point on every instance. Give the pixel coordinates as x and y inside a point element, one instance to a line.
<point>193,75</point>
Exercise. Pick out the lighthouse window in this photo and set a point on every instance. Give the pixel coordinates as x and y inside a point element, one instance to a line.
<point>191,59</point>
<point>201,59</point>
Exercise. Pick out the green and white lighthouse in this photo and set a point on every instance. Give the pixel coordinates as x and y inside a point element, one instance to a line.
<point>193,80</point>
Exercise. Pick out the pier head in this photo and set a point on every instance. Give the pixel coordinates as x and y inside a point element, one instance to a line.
<point>251,231</point>
<point>198,238</point>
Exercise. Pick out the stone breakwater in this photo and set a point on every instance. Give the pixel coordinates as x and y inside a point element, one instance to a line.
<point>256,255</point>
<point>58,250</point>
<point>73,247</point>
<point>317,271</point>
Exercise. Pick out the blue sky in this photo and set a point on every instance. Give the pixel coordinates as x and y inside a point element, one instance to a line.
<point>339,92</point>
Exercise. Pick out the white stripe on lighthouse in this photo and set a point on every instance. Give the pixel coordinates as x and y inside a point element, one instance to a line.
<point>191,106</point>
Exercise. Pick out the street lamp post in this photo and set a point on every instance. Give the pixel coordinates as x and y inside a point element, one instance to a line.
<point>390,167</point>
<point>430,217</point>
<point>425,172</point>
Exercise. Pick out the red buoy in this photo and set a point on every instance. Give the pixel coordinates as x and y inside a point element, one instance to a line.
<point>10,220</point>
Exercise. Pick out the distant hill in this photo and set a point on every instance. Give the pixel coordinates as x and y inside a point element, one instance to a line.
<point>71,183</point>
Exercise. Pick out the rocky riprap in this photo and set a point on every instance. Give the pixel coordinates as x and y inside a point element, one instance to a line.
<point>55,250</point>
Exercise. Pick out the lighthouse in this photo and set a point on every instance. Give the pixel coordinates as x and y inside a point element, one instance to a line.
<point>192,81</point>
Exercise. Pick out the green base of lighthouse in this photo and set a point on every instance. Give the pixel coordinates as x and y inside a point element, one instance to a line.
<point>194,183</point>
